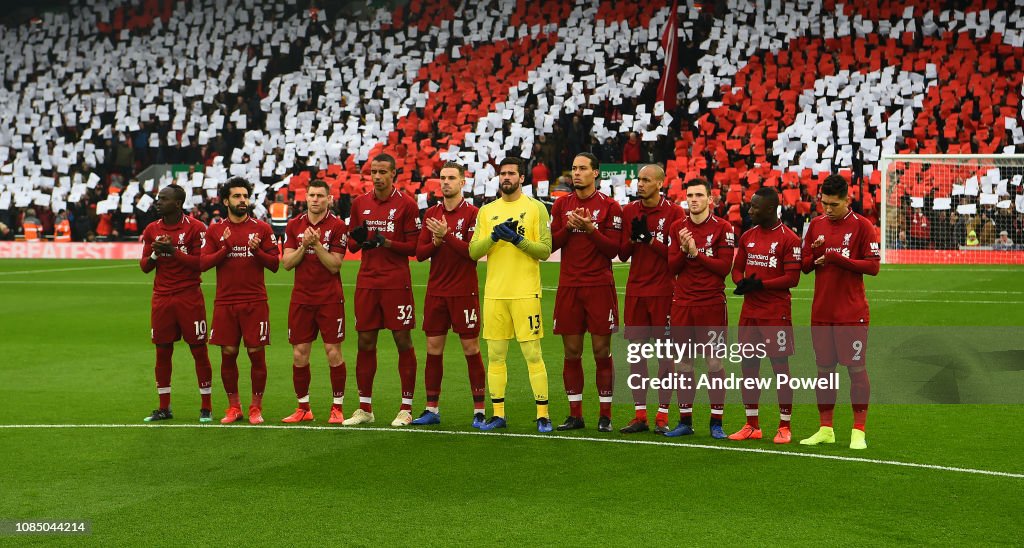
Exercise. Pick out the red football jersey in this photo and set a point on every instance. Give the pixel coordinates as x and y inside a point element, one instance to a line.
<point>397,218</point>
<point>314,284</point>
<point>696,284</point>
<point>584,263</point>
<point>839,293</point>
<point>768,254</point>
<point>172,275</point>
<point>240,275</point>
<point>452,272</point>
<point>649,275</point>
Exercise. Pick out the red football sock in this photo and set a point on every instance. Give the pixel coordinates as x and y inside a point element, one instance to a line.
<point>572,377</point>
<point>785,394</point>
<point>605,384</point>
<point>477,380</point>
<point>432,373</point>
<point>258,374</point>
<point>662,417</point>
<point>686,393</point>
<point>666,369</point>
<point>716,394</point>
<point>751,394</point>
<point>366,370</point>
<point>338,376</point>
<point>641,414</point>
<point>860,394</point>
<point>826,397</point>
<point>229,376</point>
<point>204,374</point>
<point>163,374</point>
<point>300,380</point>
<point>407,375</point>
<point>639,370</point>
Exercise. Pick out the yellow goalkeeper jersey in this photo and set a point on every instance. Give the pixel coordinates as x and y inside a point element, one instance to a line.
<point>513,272</point>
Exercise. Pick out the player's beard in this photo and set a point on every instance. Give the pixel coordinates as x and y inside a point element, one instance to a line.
<point>449,194</point>
<point>509,188</point>
<point>239,210</point>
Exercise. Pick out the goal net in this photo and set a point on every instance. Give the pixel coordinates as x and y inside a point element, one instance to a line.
<point>952,209</point>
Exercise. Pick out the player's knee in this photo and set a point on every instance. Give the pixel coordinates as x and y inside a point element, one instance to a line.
<point>856,370</point>
<point>335,357</point>
<point>714,366</point>
<point>300,353</point>
<point>602,347</point>
<point>532,352</point>
<point>367,341</point>
<point>685,367</point>
<point>435,345</point>
<point>229,350</point>
<point>497,351</point>
<point>253,349</point>
<point>470,347</point>
<point>403,340</point>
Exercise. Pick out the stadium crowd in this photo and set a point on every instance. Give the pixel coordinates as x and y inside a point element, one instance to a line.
<point>761,101</point>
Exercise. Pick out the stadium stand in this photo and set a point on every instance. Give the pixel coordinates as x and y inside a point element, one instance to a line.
<point>769,93</point>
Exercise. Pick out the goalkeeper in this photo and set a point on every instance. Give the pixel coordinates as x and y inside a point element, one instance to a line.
<point>513,233</point>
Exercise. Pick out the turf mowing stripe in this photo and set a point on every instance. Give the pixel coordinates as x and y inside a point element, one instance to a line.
<point>45,270</point>
<point>273,284</point>
<point>539,437</point>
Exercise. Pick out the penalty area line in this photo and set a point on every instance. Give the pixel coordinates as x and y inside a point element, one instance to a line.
<point>861,460</point>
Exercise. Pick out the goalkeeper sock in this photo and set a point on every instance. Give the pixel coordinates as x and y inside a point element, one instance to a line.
<point>163,374</point>
<point>605,384</point>
<point>477,380</point>
<point>538,376</point>
<point>407,375</point>
<point>497,374</point>
<point>300,380</point>
<point>204,374</point>
<point>366,370</point>
<point>572,378</point>
<point>338,377</point>
<point>432,373</point>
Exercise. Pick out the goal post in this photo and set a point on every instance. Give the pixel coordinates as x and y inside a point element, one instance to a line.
<point>952,208</point>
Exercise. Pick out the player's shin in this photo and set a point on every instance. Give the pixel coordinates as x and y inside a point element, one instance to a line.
<point>860,394</point>
<point>538,376</point>
<point>572,378</point>
<point>204,374</point>
<point>605,384</point>
<point>258,374</point>
<point>826,395</point>
<point>432,373</point>
<point>477,380</point>
<point>366,370</point>
<point>163,374</point>
<point>229,376</point>
<point>639,372</point>
<point>497,374</point>
<point>780,366</point>
<point>751,391</point>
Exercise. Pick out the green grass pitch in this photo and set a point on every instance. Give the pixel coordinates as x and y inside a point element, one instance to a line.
<point>74,349</point>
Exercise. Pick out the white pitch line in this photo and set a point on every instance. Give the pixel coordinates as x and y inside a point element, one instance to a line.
<point>45,270</point>
<point>539,437</point>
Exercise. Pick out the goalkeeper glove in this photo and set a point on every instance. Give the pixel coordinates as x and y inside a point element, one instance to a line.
<point>746,285</point>
<point>359,233</point>
<point>640,232</point>
<point>375,240</point>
